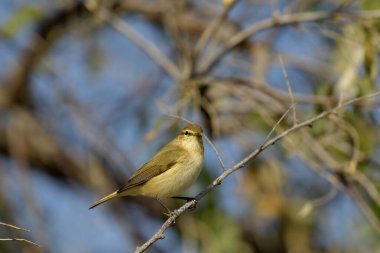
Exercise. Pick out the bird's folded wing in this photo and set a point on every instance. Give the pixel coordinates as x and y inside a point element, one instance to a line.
<point>160,163</point>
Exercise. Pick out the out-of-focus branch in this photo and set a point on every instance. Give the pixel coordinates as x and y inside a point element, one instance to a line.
<point>210,30</point>
<point>124,28</point>
<point>308,207</point>
<point>368,185</point>
<point>17,239</point>
<point>16,86</point>
<point>369,214</point>
<point>283,96</point>
<point>286,77</point>
<point>159,234</point>
<point>43,148</point>
<point>281,20</point>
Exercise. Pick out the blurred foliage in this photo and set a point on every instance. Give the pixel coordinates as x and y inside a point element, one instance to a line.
<point>22,17</point>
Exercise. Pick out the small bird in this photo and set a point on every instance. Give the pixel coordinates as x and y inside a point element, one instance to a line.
<point>170,172</point>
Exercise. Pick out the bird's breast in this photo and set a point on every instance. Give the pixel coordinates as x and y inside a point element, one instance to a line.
<point>176,180</point>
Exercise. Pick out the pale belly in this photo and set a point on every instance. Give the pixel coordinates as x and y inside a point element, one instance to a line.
<point>173,181</point>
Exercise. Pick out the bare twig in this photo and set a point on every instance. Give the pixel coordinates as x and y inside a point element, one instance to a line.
<point>20,240</point>
<point>286,77</point>
<point>17,239</point>
<point>159,234</point>
<point>13,226</point>
<point>216,152</point>
<point>278,122</point>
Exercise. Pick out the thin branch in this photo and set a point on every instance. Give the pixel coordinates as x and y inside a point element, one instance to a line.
<point>152,51</point>
<point>373,220</point>
<point>210,30</point>
<point>20,240</point>
<point>286,77</point>
<point>159,234</point>
<point>17,239</point>
<point>278,122</point>
<point>282,20</point>
<point>216,152</point>
<point>13,226</point>
<point>283,96</point>
<point>368,185</point>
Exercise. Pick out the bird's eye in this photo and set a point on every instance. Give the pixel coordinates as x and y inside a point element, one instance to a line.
<point>187,133</point>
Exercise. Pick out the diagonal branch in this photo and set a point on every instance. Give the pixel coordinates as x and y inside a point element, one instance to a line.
<point>286,77</point>
<point>282,20</point>
<point>210,31</point>
<point>160,233</point>
<point>13,226</point>
<point>17,239</point>
<point>152,51</point>
<point>20,240</point>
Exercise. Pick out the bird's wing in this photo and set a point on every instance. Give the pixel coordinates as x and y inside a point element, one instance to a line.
<point>160,163</point>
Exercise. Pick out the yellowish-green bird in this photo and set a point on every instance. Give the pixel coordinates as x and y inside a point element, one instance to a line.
<point>170,172</point>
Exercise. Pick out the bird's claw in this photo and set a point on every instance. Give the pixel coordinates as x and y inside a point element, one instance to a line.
<point>168,213</point>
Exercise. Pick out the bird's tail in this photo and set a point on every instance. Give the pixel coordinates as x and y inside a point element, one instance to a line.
<point>106,198</point>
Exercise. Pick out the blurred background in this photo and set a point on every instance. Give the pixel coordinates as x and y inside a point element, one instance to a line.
<point>87,87</point>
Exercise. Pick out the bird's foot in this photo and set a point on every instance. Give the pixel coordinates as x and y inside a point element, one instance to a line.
<point>167,211</point>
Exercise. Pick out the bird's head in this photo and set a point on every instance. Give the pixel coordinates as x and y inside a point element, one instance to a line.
<point>191,136</point>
